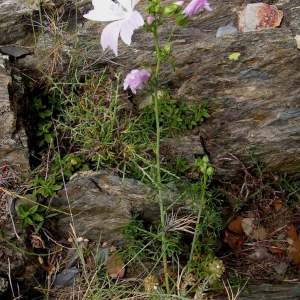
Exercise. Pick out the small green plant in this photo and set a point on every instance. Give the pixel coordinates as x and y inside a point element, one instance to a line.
<point>105,133</point>
<point>142,244</point>
<point>43,110</point>
<point>45,187</point>
<point>34,216</point>
<point>67,165</point>
<point>175,116</point>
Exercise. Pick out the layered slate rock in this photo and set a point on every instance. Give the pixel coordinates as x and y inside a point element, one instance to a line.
<point>15,21</point>
<point>102,204</point>
<point>13,148</point>
<point>253,101</point>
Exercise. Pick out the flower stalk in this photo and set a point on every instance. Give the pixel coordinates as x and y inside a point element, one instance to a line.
<point>207,171</point>
<point>155,99</point>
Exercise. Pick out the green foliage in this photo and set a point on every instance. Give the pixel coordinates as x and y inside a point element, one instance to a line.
<point>204,167</point>
<point>208,267</point>
<point>34,216</point>
<point>45,187</point>
<point>106,134</point>
<point>200,199</point>
<point>293,187</point>
<point>135,237</point>
<point>143,244</point>
<point>210,217</point>
<point>67,165</point>
<point>178,165</point>
<point>175,116</point>
<point>43,109</point>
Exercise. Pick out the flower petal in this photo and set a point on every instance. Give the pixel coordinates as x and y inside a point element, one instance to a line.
<point>105,11</point>
<point>195,6</point>
<point>110,36</point>
<point>131,23</point>
<point>136,79</point>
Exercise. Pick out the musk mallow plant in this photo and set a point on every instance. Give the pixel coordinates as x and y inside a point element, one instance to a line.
<point>125,19</point>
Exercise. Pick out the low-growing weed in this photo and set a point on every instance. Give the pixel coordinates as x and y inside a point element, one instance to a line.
<point>34,216</point>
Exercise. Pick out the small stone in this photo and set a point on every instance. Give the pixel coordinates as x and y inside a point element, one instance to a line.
<point>66,277</point>
<point>258,16</point>
<point>226,30</point>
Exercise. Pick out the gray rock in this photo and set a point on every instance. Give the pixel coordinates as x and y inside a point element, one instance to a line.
<point>66,277</point>
<point>102,204</point>
<point>15,19</point>
<point>12,149</point>
<point>247,113</point>
<point>226,30</point>
<point>15,51</point>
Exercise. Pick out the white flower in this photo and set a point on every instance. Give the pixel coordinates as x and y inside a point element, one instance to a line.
<point>124,21</point>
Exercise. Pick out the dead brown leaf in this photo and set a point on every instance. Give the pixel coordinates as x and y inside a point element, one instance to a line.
<point>234,241</point>
<point>235,225</point>
<point>277,204</point>
<point>234,234</point>
<point>115,266</point>
<point>294,245</point>
<point>37,242</point>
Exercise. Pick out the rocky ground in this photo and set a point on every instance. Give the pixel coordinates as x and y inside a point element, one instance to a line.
<point>250,79</point>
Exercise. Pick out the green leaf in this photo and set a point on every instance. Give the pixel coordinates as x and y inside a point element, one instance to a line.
<point>28,221</point>
<point>170,9</point>
<point>181,20</point>
<point>38,218</point>
<point>33,209</point>
<point>234,56</point>
<point>23,211</point>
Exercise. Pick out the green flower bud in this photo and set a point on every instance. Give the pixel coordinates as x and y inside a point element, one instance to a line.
<point>209,171</point>
<point>170,10</point>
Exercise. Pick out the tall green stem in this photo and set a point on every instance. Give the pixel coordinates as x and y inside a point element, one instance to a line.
<point>155,98</point>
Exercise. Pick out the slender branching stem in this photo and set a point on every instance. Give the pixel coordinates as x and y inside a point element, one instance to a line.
<point>155,97</point>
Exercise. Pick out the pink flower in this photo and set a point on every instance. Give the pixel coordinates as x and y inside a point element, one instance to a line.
<point>195,6</point>
<point>136,79</point>
<point>125,21</point>
<point>149,20</point>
